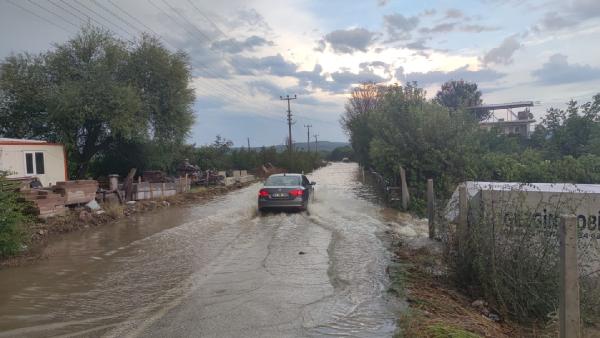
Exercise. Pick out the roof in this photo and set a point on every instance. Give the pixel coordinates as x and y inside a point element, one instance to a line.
<point>474,186</point>
<point>17,141</point>
<point>509,105</point>
<point>528,121</point>
<point>286,174</point>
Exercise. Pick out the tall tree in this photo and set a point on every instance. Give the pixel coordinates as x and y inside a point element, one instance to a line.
<point>96,91</point>
<point>460,95</point>
<point>364,99</point>
<point>162,79</point>
<point>23,110</point>
<point>89,100</point>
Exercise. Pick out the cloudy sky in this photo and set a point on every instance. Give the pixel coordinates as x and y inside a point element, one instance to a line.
<point>245,54</point>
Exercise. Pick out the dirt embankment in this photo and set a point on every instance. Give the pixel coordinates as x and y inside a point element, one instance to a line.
<point>436,308</point>
<point>43,231</point>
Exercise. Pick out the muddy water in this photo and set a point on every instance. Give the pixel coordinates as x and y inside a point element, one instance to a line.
<point>217,269</point>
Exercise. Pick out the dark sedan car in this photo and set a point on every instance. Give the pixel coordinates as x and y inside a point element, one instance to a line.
<point>285,191</point>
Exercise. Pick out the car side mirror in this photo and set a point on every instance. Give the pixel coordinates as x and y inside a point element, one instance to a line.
<point>313,183</point>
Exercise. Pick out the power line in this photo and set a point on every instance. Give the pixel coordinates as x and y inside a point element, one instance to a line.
<point>116,15</point>
<point>84,15</point>
<point>289,120</point>
<point>218,86</point>
<point>139,22</point>
<point>231,87</point>
<point>186,20</point>
<point>102,16</point>
<point>38,16</point>
<point>224,88</point>
<point>208,19</point>
<point>66,10</point>
<point>53,13</point>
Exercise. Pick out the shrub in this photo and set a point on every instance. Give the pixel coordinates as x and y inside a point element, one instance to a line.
<point>12,219</point>
<point>513,263</point>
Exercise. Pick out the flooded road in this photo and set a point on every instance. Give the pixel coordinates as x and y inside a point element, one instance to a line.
<point>215,270</point>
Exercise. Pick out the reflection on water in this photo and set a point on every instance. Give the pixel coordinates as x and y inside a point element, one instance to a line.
<point>216,269</point>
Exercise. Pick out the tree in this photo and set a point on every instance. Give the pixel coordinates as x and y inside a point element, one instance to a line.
<point>162,79</point>
<point>23,84</point>
<point>460,95</point>
<point>94,93</point>
<point>90,101</point>
<point>363,101</point>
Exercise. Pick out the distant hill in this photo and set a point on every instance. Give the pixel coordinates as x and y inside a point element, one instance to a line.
<point>326,146</point>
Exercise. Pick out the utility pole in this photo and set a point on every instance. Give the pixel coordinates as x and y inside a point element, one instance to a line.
<point>316,136</point>
<point>289,120</point>
<point>308,126</point>
<point>248,139</point>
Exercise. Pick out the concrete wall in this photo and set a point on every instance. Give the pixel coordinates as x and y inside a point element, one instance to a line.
<point>12,158</point>
<point>146,190</point>
<point>541,210</point>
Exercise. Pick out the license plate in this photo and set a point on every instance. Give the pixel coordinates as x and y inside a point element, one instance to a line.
<point>279,195</point>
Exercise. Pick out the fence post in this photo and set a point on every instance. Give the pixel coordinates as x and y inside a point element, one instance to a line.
<point>185,186</point>
<point>430,208</point>
<point>404,189</point>
<point>162,190</point>
<point>569,316</point>
<point>463,212</point>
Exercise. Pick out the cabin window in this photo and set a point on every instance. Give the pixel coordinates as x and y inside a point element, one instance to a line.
<point>29,163</point>
<point>39,163</point>
<point>34,163</point>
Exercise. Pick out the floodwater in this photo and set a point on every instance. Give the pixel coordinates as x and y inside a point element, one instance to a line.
<point>216,270</point>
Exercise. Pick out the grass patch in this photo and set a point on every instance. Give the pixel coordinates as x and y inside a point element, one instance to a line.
<point>114,210</point>
<point>437,309</point>
<point>446,331</point>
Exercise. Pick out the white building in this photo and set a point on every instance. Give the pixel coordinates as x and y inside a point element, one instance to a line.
<point>33,158</point>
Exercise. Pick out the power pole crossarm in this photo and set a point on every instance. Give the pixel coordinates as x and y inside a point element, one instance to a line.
<point>289,120</point>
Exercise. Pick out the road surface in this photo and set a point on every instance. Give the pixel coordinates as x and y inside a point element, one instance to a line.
<point>215,270</point>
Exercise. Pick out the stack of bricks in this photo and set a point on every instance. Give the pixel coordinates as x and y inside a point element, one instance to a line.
<point>77,192</point>
<point>46,202</point>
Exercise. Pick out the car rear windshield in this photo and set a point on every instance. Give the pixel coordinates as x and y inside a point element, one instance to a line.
<point>283,181</point>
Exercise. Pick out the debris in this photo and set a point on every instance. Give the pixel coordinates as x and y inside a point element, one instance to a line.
<point>494,317</point>
<point>100,212</point>
<point>130,202</point>
<point>301,253</point>
<point>85,216</point>
<point>165,203</point>
<point>93,205</point>
<point>77,192</point>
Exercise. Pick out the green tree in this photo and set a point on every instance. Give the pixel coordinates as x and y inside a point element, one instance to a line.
<point>363,101</point>
<point>460,95</point>
<point>90,101</point>
<point>23,90</point>
<point>94,93</point>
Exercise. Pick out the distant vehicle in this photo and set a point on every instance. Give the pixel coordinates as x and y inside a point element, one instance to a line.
<point>285,191</point>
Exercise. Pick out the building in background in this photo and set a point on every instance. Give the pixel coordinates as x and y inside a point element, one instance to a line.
<point>32,158</point>
<point>510,124</point>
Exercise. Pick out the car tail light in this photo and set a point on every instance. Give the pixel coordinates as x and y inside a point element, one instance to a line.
<point>296,192</point>
<point>263,193</point>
